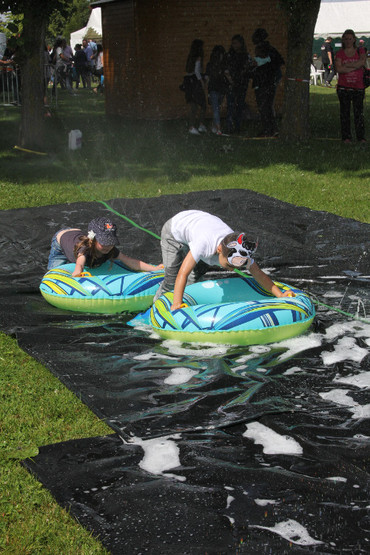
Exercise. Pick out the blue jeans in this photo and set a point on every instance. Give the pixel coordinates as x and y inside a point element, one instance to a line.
<point>56,256</point>
<point>235,108</point>
<point>216,99</point>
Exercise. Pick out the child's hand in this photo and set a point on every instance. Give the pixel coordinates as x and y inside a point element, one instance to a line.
<point>159,267</point>
<point>288,293</point>
<point>179,305</point>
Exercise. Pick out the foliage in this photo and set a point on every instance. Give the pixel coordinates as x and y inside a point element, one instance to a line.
<point>24,11</point>
<point>65,24</point>
<point>12,26</point>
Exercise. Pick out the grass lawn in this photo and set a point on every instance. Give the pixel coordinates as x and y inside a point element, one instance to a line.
<point>136,159</point>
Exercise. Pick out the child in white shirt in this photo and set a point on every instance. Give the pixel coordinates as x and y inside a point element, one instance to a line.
<point>193,236</point>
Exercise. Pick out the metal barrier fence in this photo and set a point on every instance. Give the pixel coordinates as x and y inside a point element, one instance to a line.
<point>9,85</point>
<point>10,90</point>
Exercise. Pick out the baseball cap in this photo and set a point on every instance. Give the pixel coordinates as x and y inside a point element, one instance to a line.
<point>104,231</point>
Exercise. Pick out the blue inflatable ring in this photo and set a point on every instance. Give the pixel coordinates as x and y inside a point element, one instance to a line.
<point>232,311</point>
<point>108,289</point>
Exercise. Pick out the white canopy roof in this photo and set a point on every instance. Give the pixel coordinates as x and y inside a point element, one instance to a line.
<point>335,16</point>
<point>93,23</point>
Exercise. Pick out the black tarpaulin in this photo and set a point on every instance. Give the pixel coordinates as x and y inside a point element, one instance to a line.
<point>217,449</point>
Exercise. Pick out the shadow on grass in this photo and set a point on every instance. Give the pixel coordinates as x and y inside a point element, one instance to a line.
<point>163,150</point>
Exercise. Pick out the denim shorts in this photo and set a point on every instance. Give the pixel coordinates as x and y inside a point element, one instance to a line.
<point>56,256</point>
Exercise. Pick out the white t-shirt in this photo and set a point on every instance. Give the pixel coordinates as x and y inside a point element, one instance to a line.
<point>201,232</point>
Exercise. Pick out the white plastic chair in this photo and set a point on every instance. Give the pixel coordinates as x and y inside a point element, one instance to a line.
<point>315,74</point>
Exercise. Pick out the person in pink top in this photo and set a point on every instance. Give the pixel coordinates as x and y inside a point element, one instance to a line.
<point>349,64</point>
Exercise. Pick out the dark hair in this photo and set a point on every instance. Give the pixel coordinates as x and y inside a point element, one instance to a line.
<point>99,48</point>
<point>240,39</point>
<point>259,35</point>
<point>217,54</point>
<point>349,32</point>
<point>196,51</point>
<point>217,62</point>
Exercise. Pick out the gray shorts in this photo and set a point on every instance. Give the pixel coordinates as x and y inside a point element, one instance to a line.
<point>173,254</point>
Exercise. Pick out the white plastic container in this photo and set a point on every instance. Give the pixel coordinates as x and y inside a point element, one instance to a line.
<point>74,139</point>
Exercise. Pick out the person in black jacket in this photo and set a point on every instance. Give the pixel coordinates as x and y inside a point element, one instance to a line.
<point>80,64</point>
<point>264,87</point>
<point>259,39</point>
<point>327,58</point>
<point>238,67</point>
<point>217,84</point>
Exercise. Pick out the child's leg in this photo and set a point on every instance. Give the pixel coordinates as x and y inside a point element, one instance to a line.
<point>56,256</point>
<point>173,254</point>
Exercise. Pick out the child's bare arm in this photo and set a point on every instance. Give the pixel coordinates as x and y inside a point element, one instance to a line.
<point>186,267</point>
<point>137,265</point>
<point>265,282</point>
<point>80,264</point>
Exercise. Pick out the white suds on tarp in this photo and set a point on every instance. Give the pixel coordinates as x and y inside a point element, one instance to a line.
<point>345,349</point>
<point>293,370</point>
<point>273,443</point>
<point>338,396</point>
<point>265,502</point>
<point>358,329</point>
<point>292,531</point>
<point>180,375</point>
<point>205,350</point>
<point>151,356</point>
<point>160,454</point>
<point>361,380</point>
<point>298,344</point>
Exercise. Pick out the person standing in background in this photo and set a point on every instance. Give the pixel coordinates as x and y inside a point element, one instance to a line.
<point>350,62</point>
<point>194,87</point>
<point>217,84</point>
<point>80,64</point>
<point>238,66</point>
<point>327,58</point>
<point>88,51</point>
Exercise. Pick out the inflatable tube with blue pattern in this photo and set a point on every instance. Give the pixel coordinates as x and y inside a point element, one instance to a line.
<point>108,289</point>
<point>232,311</point>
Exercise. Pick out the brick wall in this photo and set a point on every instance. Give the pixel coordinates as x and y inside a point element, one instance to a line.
<point>146,44</point>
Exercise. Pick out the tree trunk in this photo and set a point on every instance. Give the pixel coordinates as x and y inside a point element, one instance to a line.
<point>31,131</point>
<point>301,17</point>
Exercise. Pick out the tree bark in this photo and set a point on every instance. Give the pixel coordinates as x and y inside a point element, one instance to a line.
<point>301,19</point>
<point>31,131</point>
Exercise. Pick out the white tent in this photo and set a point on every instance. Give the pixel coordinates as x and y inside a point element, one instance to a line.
<point>93,23</point>
<point>335,16</point>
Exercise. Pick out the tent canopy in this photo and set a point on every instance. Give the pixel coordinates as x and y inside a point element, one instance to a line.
<point>335,16</point>
<point>93,23</point>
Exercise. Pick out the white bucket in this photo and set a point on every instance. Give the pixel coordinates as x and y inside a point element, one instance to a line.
<point>74,139</point>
